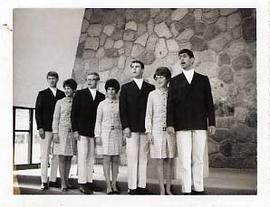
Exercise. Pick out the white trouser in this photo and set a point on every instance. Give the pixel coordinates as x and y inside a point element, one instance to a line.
<point>45,148</point>
<point>137,154</point>
<point>191,146</point>
<point>86,159</point>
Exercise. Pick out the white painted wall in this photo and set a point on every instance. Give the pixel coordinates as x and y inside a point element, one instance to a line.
<point>44,39</point>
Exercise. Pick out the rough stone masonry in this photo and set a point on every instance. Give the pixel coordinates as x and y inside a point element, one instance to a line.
<point>224,44</point>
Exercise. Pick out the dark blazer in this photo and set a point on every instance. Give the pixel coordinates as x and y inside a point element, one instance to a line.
<point>45,104</point>
<point>132,105</point>
<point>84,112</point>
<point>190,106</point>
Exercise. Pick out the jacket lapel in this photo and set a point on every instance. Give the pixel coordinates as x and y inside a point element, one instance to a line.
<point>97,96</point>
<point>134,85</point>
<point>144,85</point>
<point>182,80</point>
<point>50,94</point>
<point>57,94</point>
<point>183,86</point>
<point>194,80</point>
<point>89,95</point>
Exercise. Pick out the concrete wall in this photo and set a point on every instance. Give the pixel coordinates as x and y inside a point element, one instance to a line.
<point>44,39</point>
<point>224,42</point>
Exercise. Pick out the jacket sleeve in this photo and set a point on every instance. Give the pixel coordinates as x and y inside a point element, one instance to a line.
<point>75,112</point>
<point>39,111</point>
<point>99,121</point>
<point>209,104</point>
<point>123,108</point>
<point>171,106</point>
<point>149,114</point>
<point>56,117</point>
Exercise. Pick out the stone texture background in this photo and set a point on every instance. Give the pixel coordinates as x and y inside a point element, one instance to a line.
<point>224,45</point>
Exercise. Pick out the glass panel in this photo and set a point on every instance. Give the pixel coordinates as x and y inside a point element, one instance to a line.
<point>35,144</point>
<point>21,148</point>
<point>22,119</point>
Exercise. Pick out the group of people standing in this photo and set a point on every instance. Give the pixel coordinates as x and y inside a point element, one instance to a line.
<point>169,119</point>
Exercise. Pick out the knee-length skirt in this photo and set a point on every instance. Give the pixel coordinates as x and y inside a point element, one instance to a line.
<point>164,145</point>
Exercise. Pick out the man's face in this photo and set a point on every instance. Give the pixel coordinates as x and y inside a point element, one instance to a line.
<point>52,81</point>
<point>136,70</point>
<point>185,61</point>
<point>92,81</point>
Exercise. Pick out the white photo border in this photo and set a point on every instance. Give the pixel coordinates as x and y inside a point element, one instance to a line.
<point>263,93</point>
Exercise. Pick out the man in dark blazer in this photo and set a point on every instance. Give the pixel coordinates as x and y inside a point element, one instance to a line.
<point>45,104</point>
<point>133,100</point>
<point>190,112</point>
<point>83,118</point>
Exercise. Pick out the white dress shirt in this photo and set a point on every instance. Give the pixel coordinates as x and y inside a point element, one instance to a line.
<point>93,92</point>
<point>139,82</point>
<point>189,75</point>
<point>53,90</point>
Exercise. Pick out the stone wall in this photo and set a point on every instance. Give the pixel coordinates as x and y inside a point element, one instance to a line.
<point>224,45</point>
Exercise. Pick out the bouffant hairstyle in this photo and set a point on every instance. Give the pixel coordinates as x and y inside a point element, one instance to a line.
<point>112,83</point>
<point>70,83</point>
<point>187,51</point>
<point>163,71</point>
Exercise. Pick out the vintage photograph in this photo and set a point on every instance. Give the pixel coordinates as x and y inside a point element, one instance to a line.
<point>135,101</point>
<point>156,101</point>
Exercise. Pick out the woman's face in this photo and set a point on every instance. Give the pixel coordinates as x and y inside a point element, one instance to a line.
<point>68,91</point>
<point>161,81</point>
<point>111,93</point>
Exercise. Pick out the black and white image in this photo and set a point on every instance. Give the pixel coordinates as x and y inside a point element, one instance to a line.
<point>80,43</point>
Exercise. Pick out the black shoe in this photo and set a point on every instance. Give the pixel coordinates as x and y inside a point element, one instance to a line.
<point>69,186</point>
<point>166,192</point>
<point>143,191</point>
<point>94,187</point>
<point>186,193</point>
<point>84,189</point>
<point>110,193</point>
<point>132,191</point>
<point>44,186</point>
<point>54,184</point>
<point>193,192</point>
<point>116,192</point>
